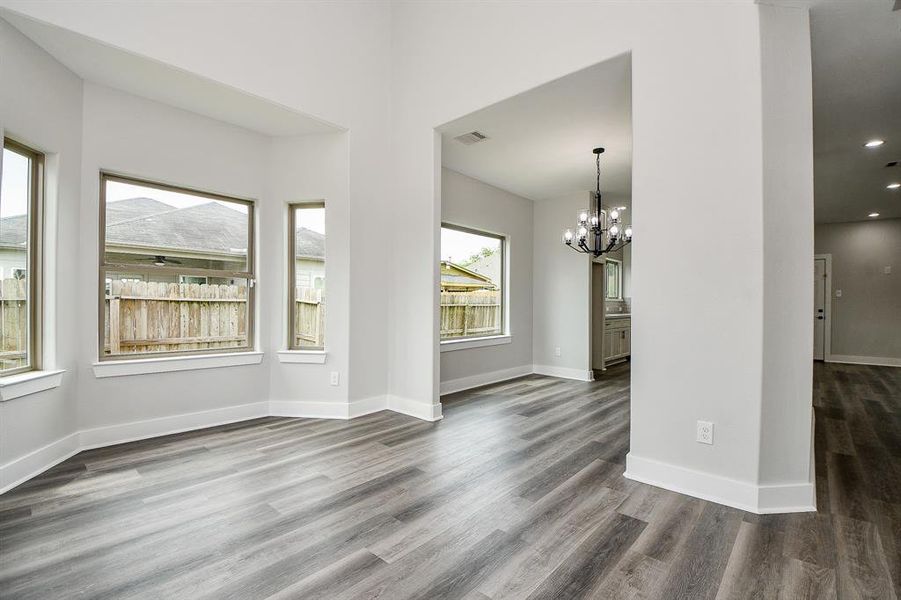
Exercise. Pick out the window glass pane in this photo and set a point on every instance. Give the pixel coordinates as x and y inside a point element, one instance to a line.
<point>150,313</point>
<point>15,246</point>
<point>613,280</point>
<point>150,226</point>
<point>309,277</point>
<point>472,273</point>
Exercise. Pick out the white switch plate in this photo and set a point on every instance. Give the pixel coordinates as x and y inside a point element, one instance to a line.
<point>334,378</point>
<point>557,351</point>
<point>838,293</point>
<point>705,432</point>
<point>887,269</point>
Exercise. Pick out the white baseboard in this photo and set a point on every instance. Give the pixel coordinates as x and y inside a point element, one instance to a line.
<point>36,462</point>
<point>473,381</point>
<point>564,372</point>
<point>327,410</point>
<point>413,408</point>
<point>876,361</point>
<point>760,499</point>
<point>140,430</point>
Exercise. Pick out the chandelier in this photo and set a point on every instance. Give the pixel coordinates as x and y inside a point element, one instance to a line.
<point>593,234</point>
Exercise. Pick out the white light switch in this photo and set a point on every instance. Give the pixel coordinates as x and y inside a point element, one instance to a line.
<point>887,269</point>
<point>838,293</point>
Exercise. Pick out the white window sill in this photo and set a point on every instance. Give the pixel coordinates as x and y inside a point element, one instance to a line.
<point>165,364</point>
<point>32,382</point>
<point>466,344</point>
<point>316,357</point>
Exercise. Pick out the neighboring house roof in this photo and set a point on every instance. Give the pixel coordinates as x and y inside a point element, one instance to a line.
<point>210,227</point>
<point>489,266</point>
<point>309,244</point>
<point>455,276</point>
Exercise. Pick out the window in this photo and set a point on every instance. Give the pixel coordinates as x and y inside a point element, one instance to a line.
<point>613,286</point>
<point>21,199</point>
<point>472,283</point>
<point>177,270</point>
<point>306,274</point>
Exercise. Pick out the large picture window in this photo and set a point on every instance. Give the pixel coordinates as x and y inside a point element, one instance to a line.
<point>472,283</point>
<point>176,270</point>
<point>21,197</point>
<point>306,273</point>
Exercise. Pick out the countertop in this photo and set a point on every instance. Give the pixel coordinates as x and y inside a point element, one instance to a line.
<point>618,316</point>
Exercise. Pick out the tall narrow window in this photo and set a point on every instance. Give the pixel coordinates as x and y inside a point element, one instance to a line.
<point>472,283</point>
<point>20,233</point>
<point>613,289</point>
<point>306,273</point>
<point>176,270</point>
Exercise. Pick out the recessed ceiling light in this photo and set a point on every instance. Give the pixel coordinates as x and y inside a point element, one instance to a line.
<point>893,186</point>
<point>873,215</point>
<point>874,143</point>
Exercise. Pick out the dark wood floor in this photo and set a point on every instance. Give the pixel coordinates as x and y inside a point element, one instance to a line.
<point>517,493</point>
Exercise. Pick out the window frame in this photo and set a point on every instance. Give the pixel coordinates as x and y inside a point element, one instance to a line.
<point>504,284</point>
<point>150,269</point>
<point>619,279</point>
<point>34,259</point>
<point>292,271</point>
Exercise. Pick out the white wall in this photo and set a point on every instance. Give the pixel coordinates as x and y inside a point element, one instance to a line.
<point>698,143</point>
<point>133,136</point>
<point>787,407</point>
<point>866,320</point>
<point>304,169</point>
<point>561,291</point>
<point>331,60</point>
<point>472,203</point>
<point>40,105</point>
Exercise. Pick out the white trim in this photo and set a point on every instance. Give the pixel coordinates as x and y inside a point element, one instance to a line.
<point>743,495</point>
<point>32,382</point>
<point>473,381</point>
<point>827,327</point>
<point>20,470</point>
<point>467,343</point>
<point>413,408</point>
<point>876,361</point>
<point>327,410</point>
<point>164,364</point>
<point>302,356</point>
<point>139,430</point>
<point>564,372</point>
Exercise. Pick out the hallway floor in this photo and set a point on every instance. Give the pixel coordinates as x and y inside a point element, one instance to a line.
<point>517,493</point>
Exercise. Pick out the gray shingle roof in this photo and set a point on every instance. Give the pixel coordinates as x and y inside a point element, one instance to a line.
<point>209,227</point>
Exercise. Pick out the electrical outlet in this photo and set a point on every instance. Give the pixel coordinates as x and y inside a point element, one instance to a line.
<point>334,378</point>
<point>705,432</point>
<point>887,269</point>
<point>557,351</point>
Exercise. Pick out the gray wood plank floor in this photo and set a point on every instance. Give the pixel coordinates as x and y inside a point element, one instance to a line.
<point>517,493</point>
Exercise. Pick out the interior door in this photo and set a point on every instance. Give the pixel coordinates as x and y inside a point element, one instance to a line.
<point>819,308</point>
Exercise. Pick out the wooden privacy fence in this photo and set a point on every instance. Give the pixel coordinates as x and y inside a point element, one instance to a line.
<point>148,316</point>
<point>470,313</point>
<point>13,323</point>
<point>309,317</point>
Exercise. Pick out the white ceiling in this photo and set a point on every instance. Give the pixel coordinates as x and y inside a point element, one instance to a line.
<point>856,97</point>
<point>114,67</point>
<point>541,140</point>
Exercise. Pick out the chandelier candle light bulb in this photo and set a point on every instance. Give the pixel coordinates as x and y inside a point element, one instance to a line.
<point>608,237</point>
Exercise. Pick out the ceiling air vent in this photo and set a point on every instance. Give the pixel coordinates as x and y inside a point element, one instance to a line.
<point>473,137</point>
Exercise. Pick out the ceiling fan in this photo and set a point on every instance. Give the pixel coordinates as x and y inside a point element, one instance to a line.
<point>161,261</point>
